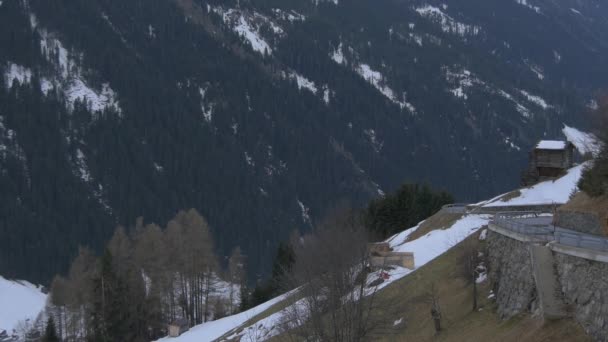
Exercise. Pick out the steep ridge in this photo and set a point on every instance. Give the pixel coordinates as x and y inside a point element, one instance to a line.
<point>262,114</point>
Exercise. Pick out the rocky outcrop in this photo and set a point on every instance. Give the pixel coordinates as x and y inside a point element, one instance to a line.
<point>512,275</point>
<point>584,284</point>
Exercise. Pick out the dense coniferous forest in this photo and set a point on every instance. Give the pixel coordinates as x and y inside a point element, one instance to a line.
<point>183,112</point>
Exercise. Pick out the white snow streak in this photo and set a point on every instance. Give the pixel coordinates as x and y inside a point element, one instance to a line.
<point>376,79</point>
<point>447,23</point>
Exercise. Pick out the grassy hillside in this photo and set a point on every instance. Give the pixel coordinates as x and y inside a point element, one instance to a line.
<point>408,299</point>
<point>459,321</point>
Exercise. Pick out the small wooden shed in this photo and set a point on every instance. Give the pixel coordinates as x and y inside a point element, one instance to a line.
<point>178,327</point>
<point>548,160</point>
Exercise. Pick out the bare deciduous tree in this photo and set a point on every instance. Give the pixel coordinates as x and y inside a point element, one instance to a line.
<point>335,301</point>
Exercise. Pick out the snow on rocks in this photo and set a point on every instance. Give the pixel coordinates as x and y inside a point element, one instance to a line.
<point>584,142</point>
<point>19,301</point>
<point>447,23</point>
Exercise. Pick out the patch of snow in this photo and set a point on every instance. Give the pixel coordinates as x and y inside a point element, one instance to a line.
<point>417,38</point>
<point>248,25</point>
<point>584,142</point>
<point>437,242</point>
<point>463,79</point>
<point>46,86</point>
<point>379,191</point>
<point>526,4</point>
<point>249,160</point>
<point>257,43</point>
<point>317,2</point>
<point>158,167</point>
<point>206,109</point>
<point>548,192</point>
<point>83,170</point>
<point>537,100</point>
<point>96,101</point>
<point>538,71</point>
<point>525,112</point>
<point>557,56</point>
<point>592,104</point>
<point>483,235</point>
<point>235,128</point>
<point>303,82</point>
<point>373,140</point>
<point>290,16</point>
<point>69,78</point>
<point>447,23</point>
<point>305,212</point>
<point>376,79</point>
<point>338,55</point>
<point>511,144</point>
<point>398,321</point>
<point>326,94</point>
<point>20,301</point>
<point>20,73</point>
<point>481,277</point>
<point>210,331</point>
<point>151,31</point>
<point>575,11</point>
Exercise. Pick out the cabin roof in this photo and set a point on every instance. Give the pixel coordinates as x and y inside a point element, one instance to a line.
<point>551,145</point>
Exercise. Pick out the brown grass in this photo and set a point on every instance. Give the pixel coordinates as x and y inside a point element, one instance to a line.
<point>438,221</point>
<point>510,195</point>
<point>408,298</point>
<point>581,202</point>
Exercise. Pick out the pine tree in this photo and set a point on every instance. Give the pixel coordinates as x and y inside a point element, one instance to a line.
<point>50,333</point>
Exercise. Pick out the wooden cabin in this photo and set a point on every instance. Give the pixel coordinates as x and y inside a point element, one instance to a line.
<point>548,160</point>
<point>178,327</point>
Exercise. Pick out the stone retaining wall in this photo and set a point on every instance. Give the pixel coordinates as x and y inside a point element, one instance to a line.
<point>510,268</point>
<point>587,223</point>
<point>584,284</point>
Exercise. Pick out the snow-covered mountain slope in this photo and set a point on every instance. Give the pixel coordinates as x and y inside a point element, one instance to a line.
<point>426,248</point>
<point>20,302</point>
